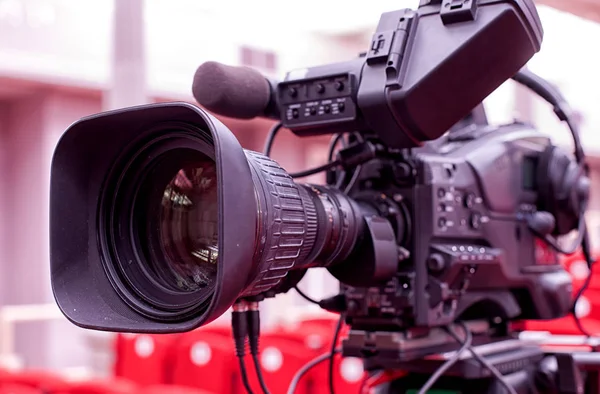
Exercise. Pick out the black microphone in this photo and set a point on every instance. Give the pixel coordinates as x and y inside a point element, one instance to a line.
<point>236,92</point>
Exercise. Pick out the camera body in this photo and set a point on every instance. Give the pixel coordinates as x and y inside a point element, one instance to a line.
<point>457,201</point>
<point>458,204</point>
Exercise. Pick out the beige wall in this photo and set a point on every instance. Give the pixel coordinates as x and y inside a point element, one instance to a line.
<point>589,9</point>
<point>30,128</point>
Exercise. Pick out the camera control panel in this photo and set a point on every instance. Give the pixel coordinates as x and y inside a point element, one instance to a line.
<point>460,210</point>
<point>307,103</point>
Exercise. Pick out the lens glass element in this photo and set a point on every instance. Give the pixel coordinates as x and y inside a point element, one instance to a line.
<point>188,221</point>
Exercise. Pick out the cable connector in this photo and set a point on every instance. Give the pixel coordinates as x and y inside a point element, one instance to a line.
<point>239,327</point>
<point>253,319</point>
<point>357,154</point>
<point>336,304</point>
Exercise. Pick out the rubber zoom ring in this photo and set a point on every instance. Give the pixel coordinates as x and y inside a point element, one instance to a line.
<point>289,223</point>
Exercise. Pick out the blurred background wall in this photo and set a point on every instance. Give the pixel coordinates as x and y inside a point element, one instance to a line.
<point>64,59</point>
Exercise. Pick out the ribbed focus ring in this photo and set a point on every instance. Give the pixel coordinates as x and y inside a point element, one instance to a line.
<point>311,225</point>
<point>288,225</point>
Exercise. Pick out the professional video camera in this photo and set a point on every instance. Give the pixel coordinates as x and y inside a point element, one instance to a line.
<point>441,228</point>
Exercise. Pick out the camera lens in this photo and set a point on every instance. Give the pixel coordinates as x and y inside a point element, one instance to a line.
<point>162,221</point>
<point>188,220</point>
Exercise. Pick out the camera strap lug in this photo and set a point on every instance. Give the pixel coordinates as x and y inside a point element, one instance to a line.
<point>390,43</point>
<point>455,11</point>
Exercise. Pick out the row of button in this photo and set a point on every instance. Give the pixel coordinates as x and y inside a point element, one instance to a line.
<point>311,111</point>
<point>470,249</point>
<point>468,201</point>
<point>473,253</point>
<point>320,88</point>
<point>475,221</point>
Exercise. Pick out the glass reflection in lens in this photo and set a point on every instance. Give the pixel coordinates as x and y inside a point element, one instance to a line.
<point>188,227</point>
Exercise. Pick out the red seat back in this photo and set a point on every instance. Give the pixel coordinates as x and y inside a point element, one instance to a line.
<point>172,389</point>
<point>280,358</point>
<point>101,386</point>
<point>216,328</point>
<point>314,338</point>
<point>17,389</point>
<point>40,380</point>
<point>206,361</point>
<point>326,320</point>
<point>144,358</point>
<point>348,374</point>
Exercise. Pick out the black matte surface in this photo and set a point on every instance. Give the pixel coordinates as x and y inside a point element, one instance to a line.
<point>83,156</point>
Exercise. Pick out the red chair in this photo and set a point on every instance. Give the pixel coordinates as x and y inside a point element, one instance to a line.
<point>350,376</point>
<point>144,359</point>
<point>315,338</point>
<point>564,326</point>
<point>280,358</point>
<point>206,361</point>
<point>348,373</point>
<point>98,386</point>
<point>576,265</point>
<point>170,389</point>
<point>39,380</point>
<point>217,328</point>
<point>17,389</point>
<point>325,320</point>
<point>588,306</point>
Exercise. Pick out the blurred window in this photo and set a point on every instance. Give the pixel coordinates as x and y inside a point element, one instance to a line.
<point>258,58</point>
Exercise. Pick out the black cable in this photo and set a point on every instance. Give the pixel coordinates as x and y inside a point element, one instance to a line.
<point>581,231</point>
<point>307,367</point>
<point>244,374</point>
<point>586,250</point>
<point>561,107</point>
<point>259,374</point>
<point>336,336</point>
<point>340,173</point>
<point>448,364</point>
<point>271,138</point>
<point>303,295</point>
<point>357,170</point>
<point>335,304</point>
<point>316,170</point>
<point>239,330</point>
<point>564,112</point>
<point>482,360</point>
<point>354,179</point>
<point>253,316</point>
<point>363,384</point>
<point>341,176</point>
<point>333,144</point>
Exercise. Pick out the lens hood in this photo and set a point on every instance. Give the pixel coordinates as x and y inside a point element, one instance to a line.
<point>88,157</point>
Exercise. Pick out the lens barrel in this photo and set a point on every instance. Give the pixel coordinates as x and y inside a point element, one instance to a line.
<point>300,226</point>
<point>161,226</point>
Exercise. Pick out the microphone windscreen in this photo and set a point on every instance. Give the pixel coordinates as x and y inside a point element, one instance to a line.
<point>237,92</point>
